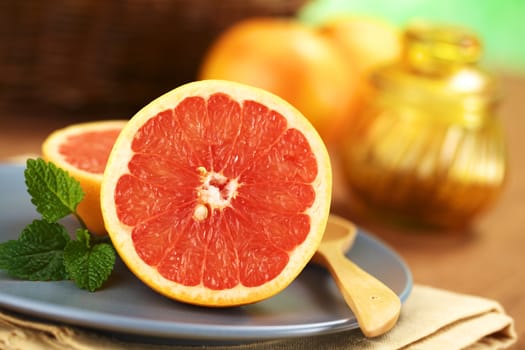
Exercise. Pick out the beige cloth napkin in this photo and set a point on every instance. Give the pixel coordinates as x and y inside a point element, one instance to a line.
<point>430,319</point>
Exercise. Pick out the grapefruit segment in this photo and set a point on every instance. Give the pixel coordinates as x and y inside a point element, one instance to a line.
<point>217,193</point>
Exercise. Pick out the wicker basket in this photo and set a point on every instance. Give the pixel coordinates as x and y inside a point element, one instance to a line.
<point>78,55</point>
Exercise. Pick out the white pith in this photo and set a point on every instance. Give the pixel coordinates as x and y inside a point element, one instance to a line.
<point>210,196</point>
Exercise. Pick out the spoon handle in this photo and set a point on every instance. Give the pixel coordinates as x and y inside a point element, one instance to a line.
<point>375,306</point>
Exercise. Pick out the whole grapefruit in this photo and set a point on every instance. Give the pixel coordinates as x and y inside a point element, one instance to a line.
<point>290,60</point>
<point>367,43</point>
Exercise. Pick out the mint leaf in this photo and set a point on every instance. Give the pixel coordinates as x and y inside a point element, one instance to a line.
<point>89,266</point>
<point>44,251</point>
<point>37,255</point>
<point>54,193</point>
<point>7,252</point>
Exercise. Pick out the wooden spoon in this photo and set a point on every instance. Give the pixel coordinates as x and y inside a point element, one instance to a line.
<point>375,306</point>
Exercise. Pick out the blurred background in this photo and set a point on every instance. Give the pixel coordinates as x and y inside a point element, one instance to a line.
<point>499,23</point>
<point>109,58</point>
<point>106,59</point>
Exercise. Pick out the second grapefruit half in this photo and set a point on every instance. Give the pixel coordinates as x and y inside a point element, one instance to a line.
<point>217,193</point>
<point>82,150</point>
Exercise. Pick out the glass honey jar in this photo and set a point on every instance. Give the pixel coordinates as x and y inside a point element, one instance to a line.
<point>428,148</point>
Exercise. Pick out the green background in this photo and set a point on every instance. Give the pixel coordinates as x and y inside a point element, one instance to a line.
<point>500,24</point>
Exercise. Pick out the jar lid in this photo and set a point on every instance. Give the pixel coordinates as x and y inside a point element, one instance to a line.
<point>437,49</point>
<point>440,61</point>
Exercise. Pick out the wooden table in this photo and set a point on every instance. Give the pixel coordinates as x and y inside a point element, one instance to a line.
<point>488,260</point>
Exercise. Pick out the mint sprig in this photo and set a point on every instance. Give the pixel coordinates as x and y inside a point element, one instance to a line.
<point>89,265</point>
<point>54,193</point>
<point>44,250</point>
<point>37,255</point>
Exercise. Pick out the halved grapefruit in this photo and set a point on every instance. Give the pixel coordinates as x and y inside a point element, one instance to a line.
<point>217,193</point>
<point>82,150</point>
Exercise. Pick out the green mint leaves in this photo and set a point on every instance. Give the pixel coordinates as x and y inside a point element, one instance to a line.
<point>89,265</point>
<point>38,253</point>
<point>44,250</point>
<point>54,193</point>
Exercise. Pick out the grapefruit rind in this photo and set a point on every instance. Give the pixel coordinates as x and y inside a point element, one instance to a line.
<point>89,208</point>
<point>120,233</point>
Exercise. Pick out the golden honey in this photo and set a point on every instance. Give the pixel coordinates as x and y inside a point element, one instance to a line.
<point>428,148</point>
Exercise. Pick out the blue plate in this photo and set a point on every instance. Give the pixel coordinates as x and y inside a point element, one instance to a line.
<point>311,305</point>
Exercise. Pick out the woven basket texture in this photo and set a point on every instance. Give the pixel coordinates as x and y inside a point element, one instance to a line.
<point>107,55</point>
